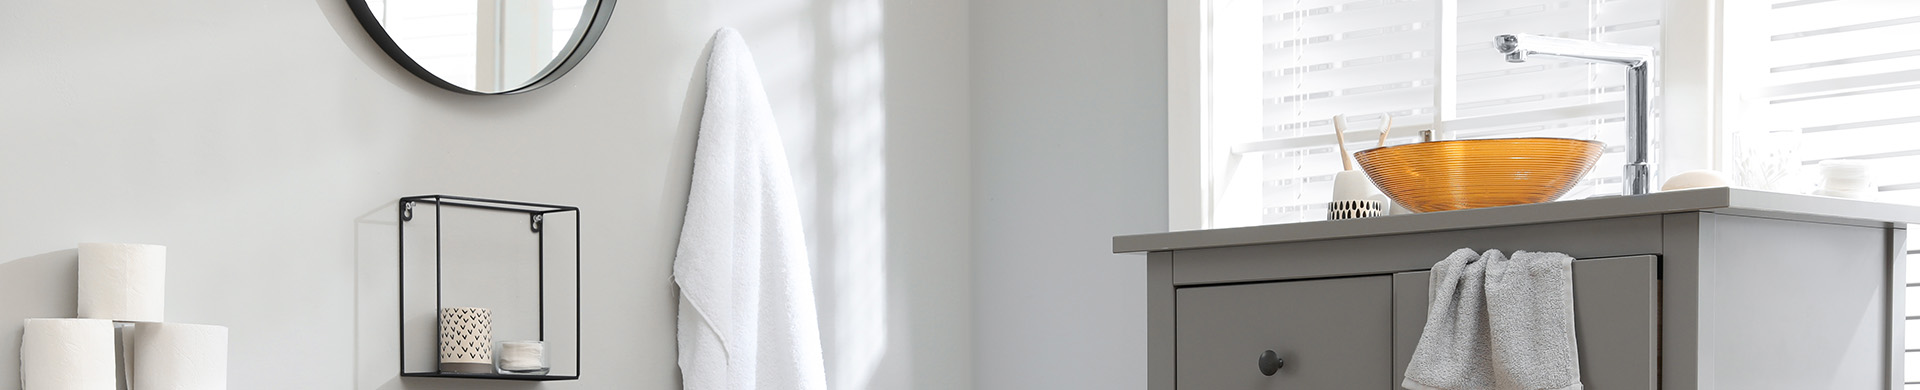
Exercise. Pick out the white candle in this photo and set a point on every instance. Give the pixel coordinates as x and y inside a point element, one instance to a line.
<point>522,355</point>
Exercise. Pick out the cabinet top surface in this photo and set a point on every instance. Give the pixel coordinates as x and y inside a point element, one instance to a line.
<point>1717,200</point>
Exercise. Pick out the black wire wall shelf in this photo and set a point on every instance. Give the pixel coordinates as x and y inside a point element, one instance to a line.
<point>510,257</point>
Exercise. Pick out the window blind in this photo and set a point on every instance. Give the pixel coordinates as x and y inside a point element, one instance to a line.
<point>1369,58</point>
<point>1847,74</point>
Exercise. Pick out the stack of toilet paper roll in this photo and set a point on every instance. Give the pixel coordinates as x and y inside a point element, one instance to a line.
<point>122,284</point>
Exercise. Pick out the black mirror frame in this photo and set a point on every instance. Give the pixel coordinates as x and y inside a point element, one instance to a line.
<point>581,43</point>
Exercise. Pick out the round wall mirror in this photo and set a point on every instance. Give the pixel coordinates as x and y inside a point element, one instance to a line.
<point>485,47</point>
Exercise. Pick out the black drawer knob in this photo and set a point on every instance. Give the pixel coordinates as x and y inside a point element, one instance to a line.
<point>1271,362</point>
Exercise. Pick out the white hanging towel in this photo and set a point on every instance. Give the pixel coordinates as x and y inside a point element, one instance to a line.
<point>747,318</point>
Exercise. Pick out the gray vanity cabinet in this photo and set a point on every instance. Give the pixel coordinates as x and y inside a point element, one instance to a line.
<point>1714,289</point>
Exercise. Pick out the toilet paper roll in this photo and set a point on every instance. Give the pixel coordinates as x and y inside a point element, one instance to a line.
<point>179,357</point>
<point>67,354</point>
<point>126,282</point>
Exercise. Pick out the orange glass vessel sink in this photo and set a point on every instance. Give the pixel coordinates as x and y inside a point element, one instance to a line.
<point>1469,174</point>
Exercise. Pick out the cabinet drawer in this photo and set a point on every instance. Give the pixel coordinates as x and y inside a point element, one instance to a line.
<point>1615,307</point>
<point>1330,334</point>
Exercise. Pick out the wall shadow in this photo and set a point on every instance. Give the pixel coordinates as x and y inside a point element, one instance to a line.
<point>45,285</point>
<point>355,38</point>
<point>376,311</point>
<point>862,332</point>
<point>679,177</point>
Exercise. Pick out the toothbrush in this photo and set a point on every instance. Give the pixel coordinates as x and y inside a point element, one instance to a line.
<point>1340,135</point>
<point>1386,127</point>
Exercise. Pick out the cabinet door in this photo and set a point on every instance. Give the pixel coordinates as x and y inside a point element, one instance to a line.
<point>1329,333</point>
<point>1615,308</point>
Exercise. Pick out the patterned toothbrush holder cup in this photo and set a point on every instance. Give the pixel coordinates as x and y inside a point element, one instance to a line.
<point>1354,196</point>
<point>1352,209</point>
<point>466,340</point>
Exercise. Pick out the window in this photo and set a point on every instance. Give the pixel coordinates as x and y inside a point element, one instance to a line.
<point>1276,71</point>
<point>1846,73</point>
<point>1252,85</point>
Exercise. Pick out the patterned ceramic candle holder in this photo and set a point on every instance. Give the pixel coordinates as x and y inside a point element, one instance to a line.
<point>1350,209</point>
<point>466,340</point>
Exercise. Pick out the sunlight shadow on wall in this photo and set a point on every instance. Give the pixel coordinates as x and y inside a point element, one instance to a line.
<point>376,311</point>
<point>852,201</point>
<point>39,286</point>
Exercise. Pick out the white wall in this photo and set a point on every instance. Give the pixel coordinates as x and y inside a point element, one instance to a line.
<point>264,141</point>
<point>1069,116</point>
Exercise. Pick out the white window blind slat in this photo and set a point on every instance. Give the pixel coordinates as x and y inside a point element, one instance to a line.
<point>1280,7</point>
<point>1912,307</point>
<point>1344,49</point>
<point>1570,21</point>
<point>1348,18</point>
<point>1816,70</point>
<point>1912,360</point>
<point>1381,69</point>
<point>1826,47</point>
<point>1847,144</point>
<point>1519,93</point>
<point>1641,10</point>
<point>1913,276</point>
<point>1827,110</point>
<point>1912,343</point>
<point>1317,108</point>
<point>1790,18</point>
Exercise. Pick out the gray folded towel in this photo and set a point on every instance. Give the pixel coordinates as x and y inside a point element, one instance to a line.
<point>1498,323</point>
<point>1453,352</point>
<point>1530,307</point>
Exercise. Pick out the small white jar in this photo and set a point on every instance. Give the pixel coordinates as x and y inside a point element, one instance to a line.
<point>1846,179</point>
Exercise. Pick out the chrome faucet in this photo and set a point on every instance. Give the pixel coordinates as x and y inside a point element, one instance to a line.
<point>1638,174</point>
